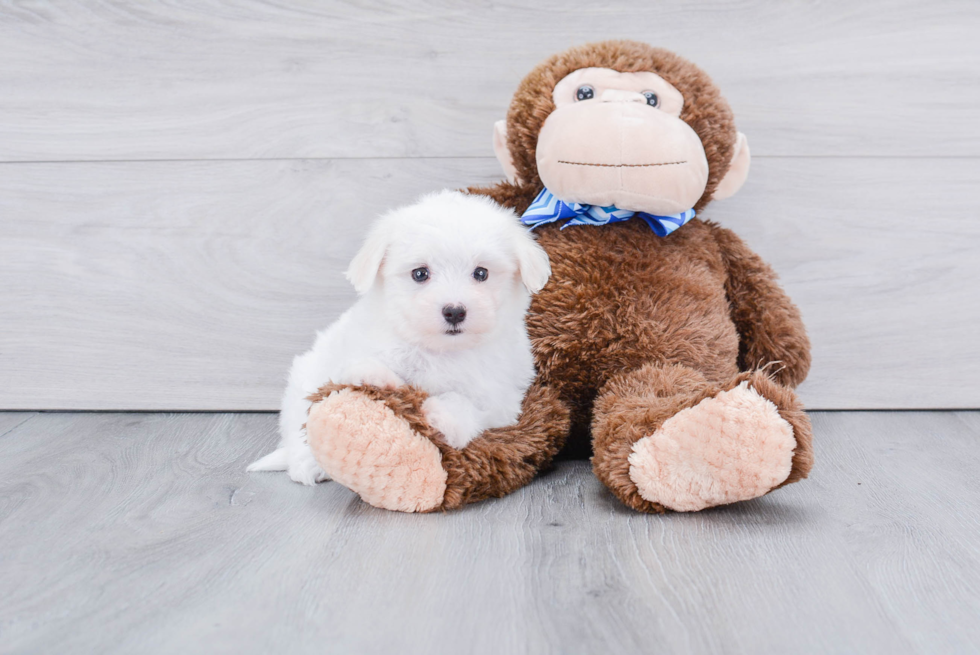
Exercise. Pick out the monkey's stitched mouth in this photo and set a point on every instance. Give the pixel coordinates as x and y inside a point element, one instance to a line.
<point>582,163</point>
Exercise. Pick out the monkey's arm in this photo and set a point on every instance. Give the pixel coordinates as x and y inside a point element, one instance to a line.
<point>769,325</point>
<point>378,443</point>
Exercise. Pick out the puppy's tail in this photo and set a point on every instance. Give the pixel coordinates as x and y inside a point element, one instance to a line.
<point>274,461</point>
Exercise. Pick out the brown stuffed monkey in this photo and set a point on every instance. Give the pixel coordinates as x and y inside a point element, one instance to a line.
<point>662,343</point>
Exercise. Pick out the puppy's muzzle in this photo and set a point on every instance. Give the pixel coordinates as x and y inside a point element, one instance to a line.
<point>454,314</point>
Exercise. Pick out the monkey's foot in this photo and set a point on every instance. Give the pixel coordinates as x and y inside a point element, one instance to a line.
<point>363,445</point>
<point>730,447</point>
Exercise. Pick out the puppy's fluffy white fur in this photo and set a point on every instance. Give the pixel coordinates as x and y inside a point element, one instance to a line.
<point>476,372</point>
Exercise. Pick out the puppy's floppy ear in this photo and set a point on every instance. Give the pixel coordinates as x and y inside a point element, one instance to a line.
<point>532,259</point>
<point>363,269</point>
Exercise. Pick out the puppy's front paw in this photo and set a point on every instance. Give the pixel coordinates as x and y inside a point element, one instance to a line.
<point>304,469</point>
<point>370,372</point>
<point>459,428</point>
<point>382,377</point>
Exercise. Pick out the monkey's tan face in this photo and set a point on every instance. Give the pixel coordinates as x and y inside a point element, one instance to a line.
<point>617,139</point>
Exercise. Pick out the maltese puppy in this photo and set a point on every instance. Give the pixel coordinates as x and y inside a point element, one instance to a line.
<point>444,286</point>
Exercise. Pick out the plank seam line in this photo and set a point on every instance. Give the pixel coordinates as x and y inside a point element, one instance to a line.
<point>26,420</point>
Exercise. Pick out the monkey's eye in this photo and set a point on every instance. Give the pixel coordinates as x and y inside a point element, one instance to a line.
<point>420,274</point>
<point>651,98</point>
<point>480,274</point>
<point>585,92</point>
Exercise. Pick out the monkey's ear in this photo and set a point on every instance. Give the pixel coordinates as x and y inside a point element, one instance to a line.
<point>503,152</point>
<point>363,269</point>
<point>737,172</point>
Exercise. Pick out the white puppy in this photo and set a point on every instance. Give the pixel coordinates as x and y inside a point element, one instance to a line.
<point>445,284</point>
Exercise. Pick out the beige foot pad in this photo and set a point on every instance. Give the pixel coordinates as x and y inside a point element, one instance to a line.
<point>364,446</point>
<point>731,447</point>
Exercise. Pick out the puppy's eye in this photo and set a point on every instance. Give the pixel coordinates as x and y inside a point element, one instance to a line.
<point>420,274</point>
<point>585,92</point>
<point>651,97</point>
<point>480,274</point>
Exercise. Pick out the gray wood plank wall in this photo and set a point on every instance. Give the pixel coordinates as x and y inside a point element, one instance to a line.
<point>181,183</point>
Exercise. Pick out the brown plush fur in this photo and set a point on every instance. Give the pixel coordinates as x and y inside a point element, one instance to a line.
<point>632,327</point>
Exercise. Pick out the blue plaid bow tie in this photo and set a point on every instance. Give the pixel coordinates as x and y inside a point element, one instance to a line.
<point>546,208</point>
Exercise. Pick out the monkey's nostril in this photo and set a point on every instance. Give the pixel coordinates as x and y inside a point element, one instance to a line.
<point>454,314</point>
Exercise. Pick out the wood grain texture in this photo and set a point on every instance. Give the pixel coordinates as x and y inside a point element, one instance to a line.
<point>191,285</point>
<point>142,533</point>
<point>182,285</point>
<point>98,79</point>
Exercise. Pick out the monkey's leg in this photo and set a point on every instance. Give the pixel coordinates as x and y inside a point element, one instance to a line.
<point>666,438</point>
<point>377,443</point>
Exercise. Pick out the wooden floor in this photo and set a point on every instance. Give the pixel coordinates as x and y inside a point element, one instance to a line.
<point>141,532</point>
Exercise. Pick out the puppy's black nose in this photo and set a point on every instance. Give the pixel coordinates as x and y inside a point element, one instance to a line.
<point>454,314</point>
